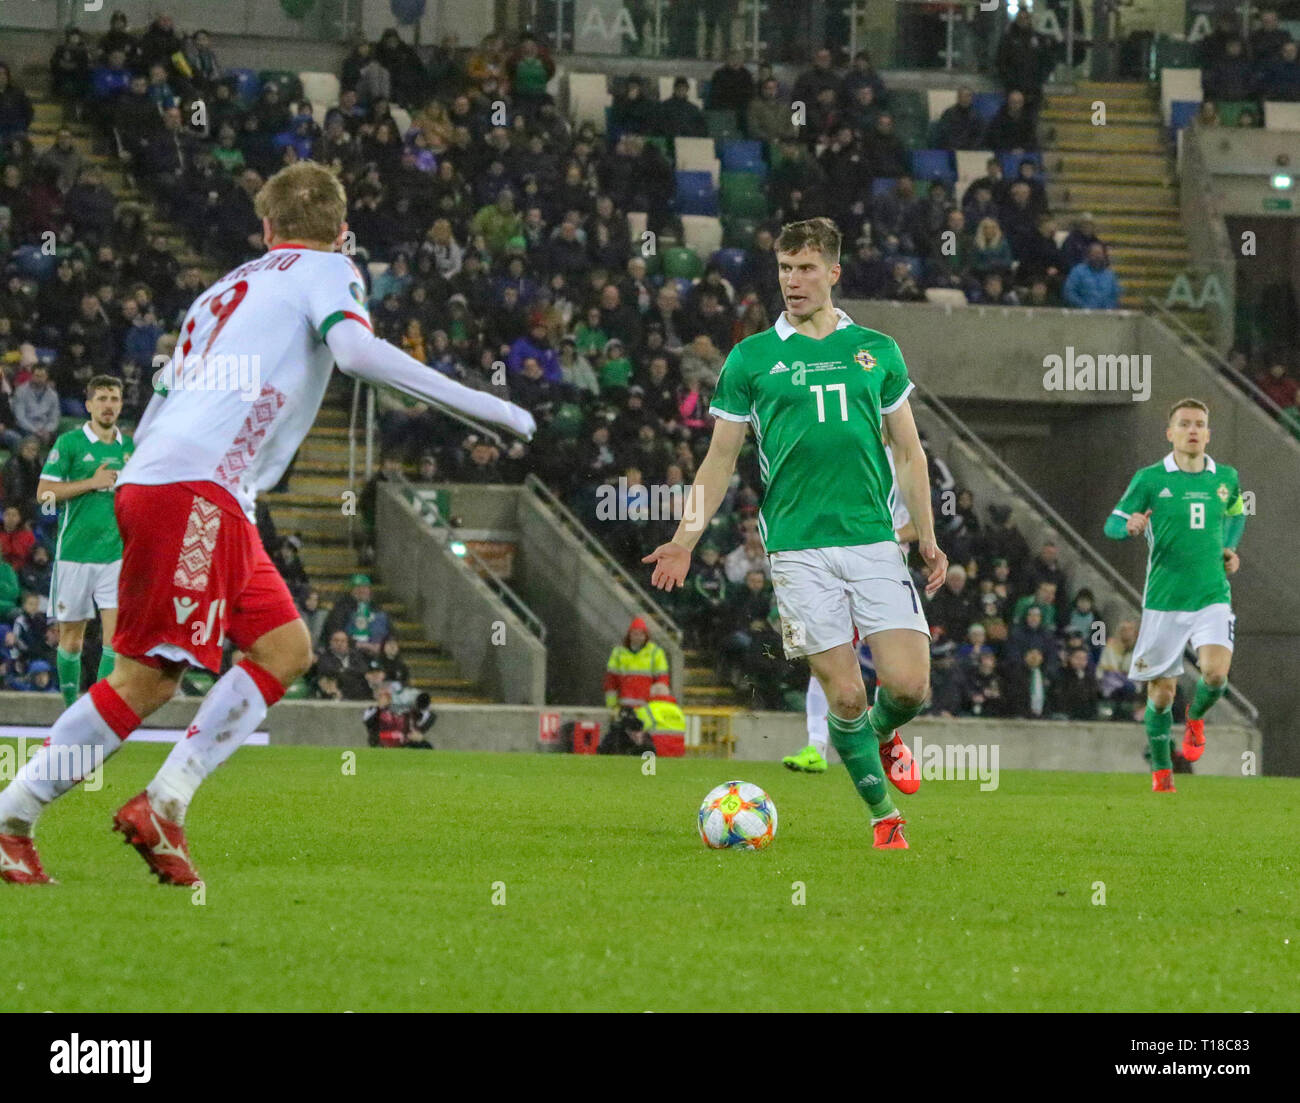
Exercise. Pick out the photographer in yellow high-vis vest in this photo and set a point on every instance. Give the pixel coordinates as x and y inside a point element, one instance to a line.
<point>637,671</point>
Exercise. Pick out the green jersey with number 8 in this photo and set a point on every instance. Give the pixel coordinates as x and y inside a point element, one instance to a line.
<point>1184,532</point>
<point>816,409</point>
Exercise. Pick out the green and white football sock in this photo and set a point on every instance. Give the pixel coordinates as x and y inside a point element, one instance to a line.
<point>1206,696</point>
<point>68,664</point>
<point>887,715</point>
<point>858,747</point>
<point>106,662</point>
<point>1158,722</point>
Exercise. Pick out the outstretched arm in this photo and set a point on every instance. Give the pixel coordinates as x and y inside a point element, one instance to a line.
<point>673,560</point>
<point>359,352</point>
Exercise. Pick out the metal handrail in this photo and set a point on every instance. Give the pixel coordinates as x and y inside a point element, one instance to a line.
<point>594,546</point>
<point>1082,547</point>
<point>495,582</point>
<point>1210,353</point>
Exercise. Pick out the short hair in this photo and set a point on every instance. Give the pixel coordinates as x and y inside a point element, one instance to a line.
<point>1188,403</point>
<point>99,382</point>
<point>303,202</point>
<point>814,233</point>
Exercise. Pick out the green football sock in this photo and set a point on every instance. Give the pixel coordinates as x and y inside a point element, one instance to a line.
<point>106,661</point>
<point>887,714</point>
<point>860,750</point>
<point>1158,722</point>
<point>68,664</point>
<point>1206,695</point>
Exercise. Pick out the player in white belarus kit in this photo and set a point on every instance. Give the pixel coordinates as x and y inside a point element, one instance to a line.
<point>219,430</point>
<point>812,759</point>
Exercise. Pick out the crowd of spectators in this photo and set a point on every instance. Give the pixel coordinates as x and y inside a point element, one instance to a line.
<point>1254,68</point>
<point>499,242</point>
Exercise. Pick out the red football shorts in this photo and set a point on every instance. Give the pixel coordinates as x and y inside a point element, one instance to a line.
<point>193,573</point>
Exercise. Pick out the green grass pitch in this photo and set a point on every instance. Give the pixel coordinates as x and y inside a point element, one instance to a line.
<point>372,892</point>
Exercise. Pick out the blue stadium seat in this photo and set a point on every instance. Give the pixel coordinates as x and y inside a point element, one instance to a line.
<point>1182,113</point>
<point>740,155</point>
<point>883,185</point>
<point>731,262</point>
<point>933,164</point>
<point>1010,163</point>
<point>32,264</point>
<point>247,85</point>
<point>988,104</point>
<point>695,193</point>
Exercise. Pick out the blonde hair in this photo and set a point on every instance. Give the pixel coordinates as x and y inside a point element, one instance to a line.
<point>820,234</point>
<point>304,202</point>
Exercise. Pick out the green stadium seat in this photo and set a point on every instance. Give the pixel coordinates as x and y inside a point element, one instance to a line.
<point>289,84</point>
<point>740,183</point>
<point>1230,111</point>
<point>745,205</point>
<point>682,263</point>
<point>1173,53</point>
<point>664,145</point>
<point>722,124</point>
<point>300,690</point>
<point>567,422</point>
<point>738,233</point>
<point>908,104</point>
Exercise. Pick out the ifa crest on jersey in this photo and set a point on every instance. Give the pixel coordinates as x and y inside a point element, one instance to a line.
<point>864,359</point>
<point>1222,492</point>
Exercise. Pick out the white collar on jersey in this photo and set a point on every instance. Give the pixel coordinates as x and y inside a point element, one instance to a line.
<point>1171,464</point>
<point>784,328</point>
<point>90,433</point>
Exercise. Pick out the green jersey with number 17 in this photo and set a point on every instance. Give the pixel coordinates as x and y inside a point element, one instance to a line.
<point>1184,532</point>
<point>816,409</point>
<point>87,524</point>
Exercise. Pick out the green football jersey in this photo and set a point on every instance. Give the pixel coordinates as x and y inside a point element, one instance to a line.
<point>87,524</point>
<point>816,409</point>
<point>1184,532</point>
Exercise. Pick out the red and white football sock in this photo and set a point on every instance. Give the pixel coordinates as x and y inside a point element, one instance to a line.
<point>230,713</point>
<point>90,730</point>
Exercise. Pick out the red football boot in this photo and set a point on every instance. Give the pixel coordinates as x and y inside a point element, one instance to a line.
<point>1162,781</point>
<point>160,842</point>
<point>900,766</point>
<point>19,862</point>
<point>1194,739</point>
<point>889,834</point>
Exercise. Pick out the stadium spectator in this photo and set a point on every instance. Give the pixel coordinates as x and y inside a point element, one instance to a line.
<point>314,616</point>
<point>960,126</point>
<point>748,556</point>
<point>1031,634</point>
<point>1229,77</point>
<point>1013,127</point>
<point>36,406</point>
<point>769,118</point>
<point>1092,284</point>
<point>1278,78</point>
<point>340,671</point>
<point>16,537</point>
<point>1268,38</point>
<point>1081,238</point>
<point>952,609</point>
<point>1113,671</point>
<point>385,724</point>
<point>1043,599</point>
<point>743,615</point>
<point>16,111</point>
<point>1075,694</point>
<point>987,688</point>
<point>1024,60</point>
<point>731,88</point>
<point>10,598</point>
<point>1277,382</point>
<point>950,690</point>
<point>21,475</point>
<point>1028,686</point>
<point>677,117</point>
<point>637,670</point>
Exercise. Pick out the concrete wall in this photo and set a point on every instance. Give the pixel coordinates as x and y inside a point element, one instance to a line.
<point>1241,163</point>
<point>585,608</point>
<point>760,736</point>
<point>1021,744</point>
<point>457,608</point>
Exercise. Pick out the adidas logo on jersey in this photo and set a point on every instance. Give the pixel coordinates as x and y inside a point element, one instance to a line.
<point>780,366</point>
<point>1166,493</point>
<point>88,458</point>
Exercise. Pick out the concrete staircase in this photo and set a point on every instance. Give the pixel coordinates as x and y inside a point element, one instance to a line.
<point>1123,173</point>
<point>313,507</point>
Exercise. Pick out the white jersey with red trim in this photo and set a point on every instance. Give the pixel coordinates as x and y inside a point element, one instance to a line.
<point>249,372</point>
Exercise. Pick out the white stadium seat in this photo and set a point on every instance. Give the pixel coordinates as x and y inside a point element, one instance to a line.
<point>1281,116</point>
<point>970,167</point>
<point>636,225</point>
<point>703,233</point>
<point>948,296</point>
<point>401,117</point>
<point>1178,84</point>
<point>697,155</point>
<point>588,98</point>
<point>940,99</point>
<point>320,88</point>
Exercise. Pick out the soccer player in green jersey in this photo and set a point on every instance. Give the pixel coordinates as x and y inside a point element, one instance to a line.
<point>819,392</point>
<point>79,474</point>
<point>1190,510</point>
